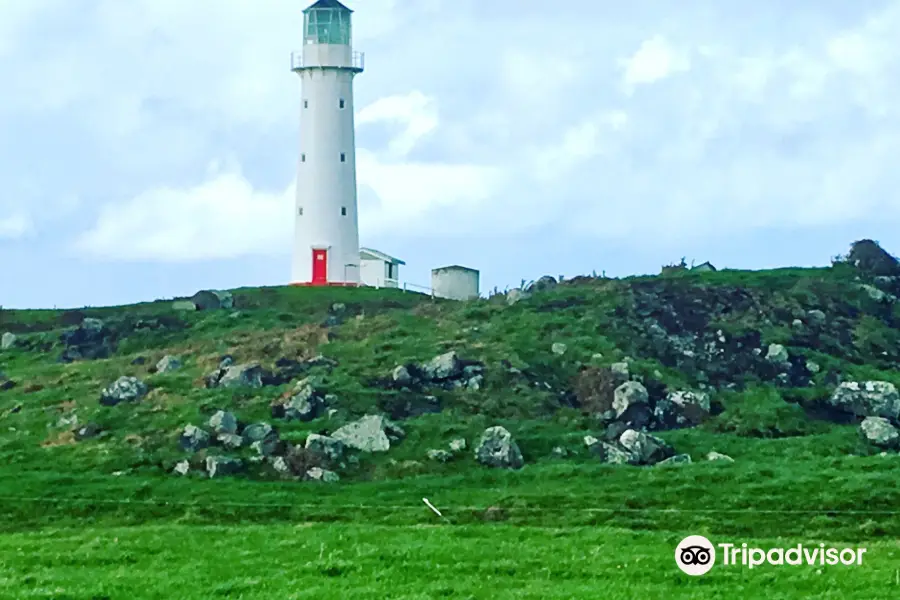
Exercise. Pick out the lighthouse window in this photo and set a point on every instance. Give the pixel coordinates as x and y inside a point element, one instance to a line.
<point>343,157</point>
<point>306,104</point>
<point>344,211</point>
<point>300,211</point>
<point>302,158</point>
<point>341,103</point>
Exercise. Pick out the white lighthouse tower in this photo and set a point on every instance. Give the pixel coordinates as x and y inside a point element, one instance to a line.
<point>326,238</point>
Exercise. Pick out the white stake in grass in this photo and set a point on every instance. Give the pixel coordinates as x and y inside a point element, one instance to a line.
<point>433,509</point>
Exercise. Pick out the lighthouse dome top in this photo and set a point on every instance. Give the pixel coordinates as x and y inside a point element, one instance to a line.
<point>327,22</point>
<point>327,4</point>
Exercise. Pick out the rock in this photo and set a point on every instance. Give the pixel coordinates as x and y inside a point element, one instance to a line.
<point>330,449</point>
<point>627,395</point>
<point>401,375</point>
<point>559,452</point>
<point>87,431</point>
<point>223,422</point>
<point>867,399</point>
<point>182,468</point>
<point>678,459</point>
<point>645,448</point>
<point>458,445</point>
<point>372,433</point>
<point>620,369</point>
<point>497,449</point>
<point>516,295</point>
<point>266,447</point>
<point>608,453</point>
<point>245,375</point>
<point>879,432</point>
<point>813,367</point>
<point>226,361</point>
<point>319,474</point>
<point>590,440</point>
<point>475,383</point>
<point>443,367</point>
<point>258,432</point>
<point>682,408</point>
<point>816,317</point>
<point>777,355</point>
<point>124,389</point>
<point>167,364</point>
<point>547,282</point>
<point>193,438</point>
<point>306,402</point>
<point>8,341</point>
<point>558,348</point>
<point>139,361</point>
<point>281,465</point>
<point>212,300</point>
<point>719,457</point>
<point>232,441</point>
<point>439,455</point>
<point>184,306</point>
<point>90,340</point>
<point>217,466</point>
<point>876,294</point>
<point>7,385</point>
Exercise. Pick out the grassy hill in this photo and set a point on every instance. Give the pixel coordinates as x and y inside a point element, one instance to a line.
<point>78,473</point>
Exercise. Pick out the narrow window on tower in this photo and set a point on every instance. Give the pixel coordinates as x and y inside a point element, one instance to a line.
<point>303,158</point>
<point>341,103</point>
<point>306,104</point>
<point>343,157</point>
<point>344,211</point>
<point>300,211</point>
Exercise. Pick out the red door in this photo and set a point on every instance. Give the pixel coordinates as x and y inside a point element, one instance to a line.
<point>320,267</point>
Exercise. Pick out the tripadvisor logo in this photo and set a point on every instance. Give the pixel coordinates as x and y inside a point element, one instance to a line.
<point>696,555</point>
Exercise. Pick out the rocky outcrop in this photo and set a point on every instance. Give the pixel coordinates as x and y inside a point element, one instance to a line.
<point>8,340</point>
<point>632,448</point>
<point>92,339</point>
<point>223,422</point>
<point>372,433</point>
<point>167,364</point>
<point>124,389</point>
<point>867,399</point>
<point>219,466</point>
<point>880,433</point>
<point>446,371</point>
<point>304,403</point>
<point>212,300</point>
<point>497,449</point>
<point>249,375</point>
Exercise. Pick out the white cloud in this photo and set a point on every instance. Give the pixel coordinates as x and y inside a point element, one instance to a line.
<point>415,111</point>
<point>224,217</point>
<point>656,59</point>
<point>16,226</point>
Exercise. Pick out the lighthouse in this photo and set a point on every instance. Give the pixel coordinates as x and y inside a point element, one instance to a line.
<point>326,227</point>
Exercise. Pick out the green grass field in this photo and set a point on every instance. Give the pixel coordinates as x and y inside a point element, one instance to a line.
<point>105,518</point>
<point>338,561</point>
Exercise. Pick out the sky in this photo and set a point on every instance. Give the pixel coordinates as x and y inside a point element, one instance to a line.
<point>148,148</point>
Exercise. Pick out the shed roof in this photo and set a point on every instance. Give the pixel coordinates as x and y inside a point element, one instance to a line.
<point>455,268</point>
<point>370,254</point>
<point>327,4</point>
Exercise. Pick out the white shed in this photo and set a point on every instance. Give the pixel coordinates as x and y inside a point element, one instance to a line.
<point>378,269</point>
<point>455,282</point>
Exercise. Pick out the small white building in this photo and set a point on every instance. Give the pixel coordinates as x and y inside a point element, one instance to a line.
<point>378,269</point>
<point>455,282</point>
